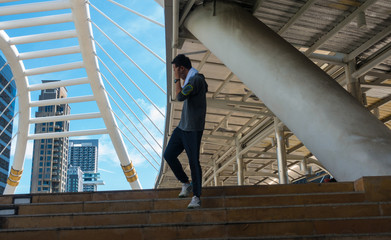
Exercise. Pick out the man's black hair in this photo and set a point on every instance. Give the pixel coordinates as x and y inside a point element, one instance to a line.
<point>182,60</point>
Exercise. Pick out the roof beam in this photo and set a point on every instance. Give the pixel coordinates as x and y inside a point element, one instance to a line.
<point>262,135</point>
<point>203,61</point>
<point>386,53</point>
<point>298,14</point>
<point>379,103</point>
<point>219,137</point>
<point>227,105</point>
<point>368,44</point>
<point>381,76</point>
<point>386,119</point>
<point>376,86</point>
<point>223,84</point>
<point>339,26</point>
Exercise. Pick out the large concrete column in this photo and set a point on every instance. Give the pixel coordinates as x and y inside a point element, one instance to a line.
<point>347,139</point>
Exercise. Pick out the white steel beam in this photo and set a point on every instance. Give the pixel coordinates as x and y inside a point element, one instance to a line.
<point>32,22</point>
<point>49,53</point>
<point>42,37</point>
<point>34,7</point>
<point>60,101</point>
<point>222,85</point>
<point>377,86</point>
<point>21,81</point>
<point>269,130</point>
<point>227,105</point>
<point>341,25</point>
<point>272,155</point>
<point>296,77</point>
<point>61,118</point>
<point>67,134</point>
<point>219,137</point>
<point>203,60</point>
<point>55,68</point>
<point>84,30</point>
<point>259,174</point>
<point>58,84</point>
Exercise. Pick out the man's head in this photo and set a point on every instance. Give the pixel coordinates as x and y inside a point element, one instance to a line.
<point>182,65</point>
<point>182,60</point>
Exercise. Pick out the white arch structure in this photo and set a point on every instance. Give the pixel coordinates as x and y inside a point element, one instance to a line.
<point>79,15</point>
<point>244,142</point>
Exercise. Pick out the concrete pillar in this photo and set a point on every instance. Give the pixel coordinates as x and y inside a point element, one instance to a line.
<point>239,162</point>
<point>215,174</point>
<point>346,138</point>
<point>281,152</point>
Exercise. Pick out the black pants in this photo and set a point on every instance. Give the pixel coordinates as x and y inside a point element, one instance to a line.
<point>190,141</point>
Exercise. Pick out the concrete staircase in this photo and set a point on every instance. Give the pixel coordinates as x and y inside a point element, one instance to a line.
<point>350,210</point>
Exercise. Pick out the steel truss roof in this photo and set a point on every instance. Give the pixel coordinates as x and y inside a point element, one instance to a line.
<point>332,33</point>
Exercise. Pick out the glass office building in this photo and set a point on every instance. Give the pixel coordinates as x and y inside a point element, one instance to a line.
<point>84,154</point>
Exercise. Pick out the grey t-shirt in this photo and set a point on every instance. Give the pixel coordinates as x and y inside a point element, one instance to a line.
<point>194,105</point>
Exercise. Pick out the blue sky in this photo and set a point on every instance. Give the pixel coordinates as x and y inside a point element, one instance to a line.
<point>149,34</point>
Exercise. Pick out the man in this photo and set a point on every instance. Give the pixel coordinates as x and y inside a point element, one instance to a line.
<point>187,136</point>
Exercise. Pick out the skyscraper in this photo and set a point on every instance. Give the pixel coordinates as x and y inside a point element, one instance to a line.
<point>84,154</point>
<point>50,156</point>
<point>75,179</point>
<point>7,95</point>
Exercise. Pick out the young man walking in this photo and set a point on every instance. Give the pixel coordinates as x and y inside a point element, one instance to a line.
<point>187,136</point>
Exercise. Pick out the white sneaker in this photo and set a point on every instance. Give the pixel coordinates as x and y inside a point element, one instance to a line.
<point>195,202</point>
<point>187,188</point>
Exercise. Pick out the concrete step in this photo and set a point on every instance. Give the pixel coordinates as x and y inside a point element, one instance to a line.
<point>173,193</point>
<point>177,203</point>
<point>212,215</point>
<point>295,229</point>
<point>359,210</point>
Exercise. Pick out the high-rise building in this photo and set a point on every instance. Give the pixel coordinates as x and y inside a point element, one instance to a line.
<point>8,93</point>
<point>50,156</point>
<point>84,154</point>
<point>75,179</point>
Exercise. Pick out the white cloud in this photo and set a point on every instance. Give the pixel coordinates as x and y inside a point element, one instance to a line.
<point>107,152</point>
<point>104,170</point>
<point>154,114</point>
